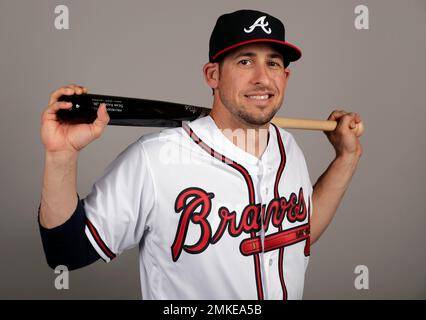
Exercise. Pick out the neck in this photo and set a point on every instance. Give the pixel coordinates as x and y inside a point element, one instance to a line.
<point>252,139</point>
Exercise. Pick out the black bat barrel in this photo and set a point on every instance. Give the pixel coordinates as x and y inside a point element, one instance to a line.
<point>129,111</point>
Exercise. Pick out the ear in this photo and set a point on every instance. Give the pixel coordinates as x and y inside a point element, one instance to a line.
<point>287,72</point>
<point>211,74</point>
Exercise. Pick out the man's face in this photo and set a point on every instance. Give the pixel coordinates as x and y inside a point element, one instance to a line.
<point>252,82</point>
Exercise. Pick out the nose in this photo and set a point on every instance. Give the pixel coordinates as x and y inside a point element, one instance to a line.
<point>261,75</point>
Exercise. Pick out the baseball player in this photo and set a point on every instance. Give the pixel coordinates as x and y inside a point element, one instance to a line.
<point>213,218</point>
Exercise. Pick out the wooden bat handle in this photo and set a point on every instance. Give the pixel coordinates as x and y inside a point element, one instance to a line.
<point>323,125</point>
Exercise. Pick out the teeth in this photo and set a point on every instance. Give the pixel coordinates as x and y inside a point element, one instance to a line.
<point>264,97</point>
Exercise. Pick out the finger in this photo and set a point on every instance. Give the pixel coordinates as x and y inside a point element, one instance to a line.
<point>336,114</point>
<point>78,89</point>
<point>352,121</point>
<point>101,120</point>
<point>356,121</point>
<point>357,118</point>
<point>68,91</point>
<point>54,107</point>
<point>347,121</point>
<point>50,112</point>
<point>65,90</point>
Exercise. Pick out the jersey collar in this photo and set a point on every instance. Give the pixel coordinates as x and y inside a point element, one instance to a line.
<point>207,130</point>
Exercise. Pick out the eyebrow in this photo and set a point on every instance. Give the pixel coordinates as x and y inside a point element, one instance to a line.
<point>252,54</point>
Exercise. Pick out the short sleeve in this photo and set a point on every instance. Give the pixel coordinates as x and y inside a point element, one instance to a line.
<point>119,204</point>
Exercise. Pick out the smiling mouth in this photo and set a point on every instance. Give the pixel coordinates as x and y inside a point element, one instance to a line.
<point>259,97</point>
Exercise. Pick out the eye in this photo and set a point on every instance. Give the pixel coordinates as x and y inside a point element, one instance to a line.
<point>274,64</point>
<point>245,62</point>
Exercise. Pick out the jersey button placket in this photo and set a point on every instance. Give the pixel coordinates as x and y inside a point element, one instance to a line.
<point>264,195</point>
<point>267,195</point>
<point>260,197</point>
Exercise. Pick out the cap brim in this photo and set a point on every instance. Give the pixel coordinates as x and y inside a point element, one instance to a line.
<point>289,51</point>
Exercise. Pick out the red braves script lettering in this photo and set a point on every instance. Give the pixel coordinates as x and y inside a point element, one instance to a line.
<point>194,206</point>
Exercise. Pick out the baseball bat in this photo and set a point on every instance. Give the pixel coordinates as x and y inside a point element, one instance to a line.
<point>153,113</point>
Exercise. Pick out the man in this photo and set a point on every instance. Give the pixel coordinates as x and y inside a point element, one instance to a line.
<point>233,220</point>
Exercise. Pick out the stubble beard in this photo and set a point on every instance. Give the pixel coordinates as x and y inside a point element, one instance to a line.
<point>240,112</point>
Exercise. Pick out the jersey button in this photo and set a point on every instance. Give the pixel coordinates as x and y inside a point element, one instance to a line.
<point>270,262</point>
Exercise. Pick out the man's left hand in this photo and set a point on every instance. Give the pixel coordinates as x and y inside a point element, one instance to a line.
<point>344,138</point>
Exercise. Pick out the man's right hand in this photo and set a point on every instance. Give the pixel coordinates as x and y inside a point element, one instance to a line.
<point>64,138</point>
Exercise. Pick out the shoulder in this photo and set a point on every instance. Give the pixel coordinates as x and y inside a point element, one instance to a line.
<point>145,144</point>
<point>295,157</point>
<point>155,139</point>
<point>290,143</point>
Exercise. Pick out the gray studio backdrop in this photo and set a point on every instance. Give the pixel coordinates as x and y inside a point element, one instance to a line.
<point>156,49</point>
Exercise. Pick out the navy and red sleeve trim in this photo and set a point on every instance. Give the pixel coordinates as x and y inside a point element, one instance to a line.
<point>96,240</point>
<point>68,244</point>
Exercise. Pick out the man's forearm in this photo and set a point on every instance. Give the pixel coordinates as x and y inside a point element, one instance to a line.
<point>59,191</point>
<point>328,192</point>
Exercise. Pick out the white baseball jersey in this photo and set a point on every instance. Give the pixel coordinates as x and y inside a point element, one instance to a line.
<point>211,220</point>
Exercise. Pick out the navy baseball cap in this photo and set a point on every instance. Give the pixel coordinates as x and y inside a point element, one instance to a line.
<point>243,27</point>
